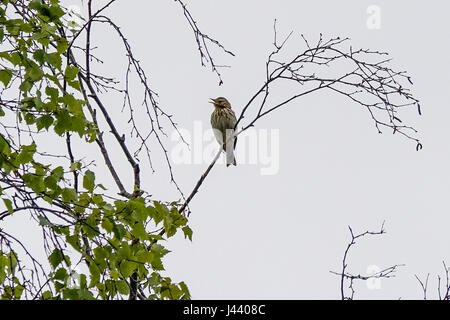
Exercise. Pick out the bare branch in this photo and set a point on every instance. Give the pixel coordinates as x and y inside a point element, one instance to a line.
<point>424,285</point>
<point>350,277</point>
<point>203,41</point>
<point>368,82</point>
<point>443,287</point>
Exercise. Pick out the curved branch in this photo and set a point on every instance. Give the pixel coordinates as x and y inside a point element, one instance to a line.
<point>372,85</point>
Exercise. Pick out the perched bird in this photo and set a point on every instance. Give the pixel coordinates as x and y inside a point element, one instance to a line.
<point>223,121</point>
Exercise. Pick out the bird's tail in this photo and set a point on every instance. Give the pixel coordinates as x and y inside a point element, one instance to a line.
<point>230,158</point>
<point>228,147</point>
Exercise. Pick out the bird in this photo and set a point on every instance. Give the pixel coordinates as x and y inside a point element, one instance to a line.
<point>223,121</point>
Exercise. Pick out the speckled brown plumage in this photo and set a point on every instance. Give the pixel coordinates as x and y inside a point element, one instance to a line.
<point>223,121</point>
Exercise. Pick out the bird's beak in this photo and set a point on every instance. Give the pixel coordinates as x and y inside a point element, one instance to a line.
<point>212,100</point>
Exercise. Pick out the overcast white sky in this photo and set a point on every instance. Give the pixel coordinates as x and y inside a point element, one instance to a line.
<point>278,236</point>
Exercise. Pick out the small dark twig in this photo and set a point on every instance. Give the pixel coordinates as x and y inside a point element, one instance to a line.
<point>424,285</point>
<point>203,40</point>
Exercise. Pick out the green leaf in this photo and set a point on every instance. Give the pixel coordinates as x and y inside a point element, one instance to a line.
<point>125,251</point>
<point>71,294</point>
<point>51,183</point>
<point>26,154</point>
<point>55,258</point>
<point>35,4</point>
<point>74,106</point>
<point>26,86</point>
<point>5,76</point>
<point>52,93</point>
<point>159,250</point>
<point>4,146</point>
<point>75,84</point>
<point>39,56</point>
<point>90,226</point>
<point>13,57</point>
<point>79,125</point>
<point>119,231</point>
<point>71,72</point>
<point>100,253</point>
<point>74,241</point>
<point>69,194</point>
<point>26,27</point>
<point>34,73</point>
<point>44,122</point>
<point>75,166</point>
<point>154,280</point>
<point>43,221</point>
<point>139,231</point>
<point>37,101</point>
<point>139,214</point>
<point>187,232</point>
<point>95,271</point>
<point>185,290</point>
<point>157,264</point>
<point>107,208</point>
<point>122,287</point>
<point>61,45</point>
<point>54,59</point>
<point>8,205</point>
<point>56,12</point>
<point>158,212</point>
<point>13,26</point>
<point>127,268</point>
<point>107,224</point>
<point>47,295</point>
<point>59,286</point>
<point>63,122</point>
<point>110,287</point>
<point>44,39</point>
<point>144,256</point>
<point>11,259</point>
<point>89,181</point>
<point>18,289</point>
<point>60,274</point>
<point>62,230</point>
<point>58,173</point>
<point>35,182</point>
<point>29,118</point>
<point>97,199</point>
<point>114,274</point>
<point>172,220</point>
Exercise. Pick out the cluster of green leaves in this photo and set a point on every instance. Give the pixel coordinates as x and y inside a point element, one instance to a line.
<point>112,237</point>
<point>8,269</point>
<point>126,249</point>
<point>36,60</point>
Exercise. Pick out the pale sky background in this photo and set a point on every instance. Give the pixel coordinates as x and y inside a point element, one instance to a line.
<point>278,236</point>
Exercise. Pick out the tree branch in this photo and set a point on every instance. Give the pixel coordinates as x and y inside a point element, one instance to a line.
<point>345,275</point>
<point>373,85</point>
<point>202,41</point>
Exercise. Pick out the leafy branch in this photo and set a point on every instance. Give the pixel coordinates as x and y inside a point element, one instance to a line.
<point>51,84</point>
